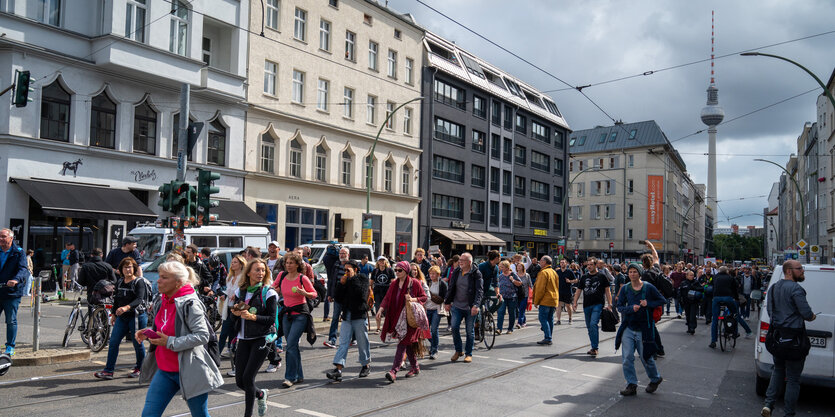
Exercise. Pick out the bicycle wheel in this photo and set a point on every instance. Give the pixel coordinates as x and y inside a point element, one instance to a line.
<point>721,325</point>
<point>71,325</point>
<point>489,331</point>
<point>99,330</point>
<point>214,315</point>
<point>479,329</point>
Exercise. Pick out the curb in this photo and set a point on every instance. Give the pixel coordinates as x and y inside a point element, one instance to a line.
<point>50,357</point>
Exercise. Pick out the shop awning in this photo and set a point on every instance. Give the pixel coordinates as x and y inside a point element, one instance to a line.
<point>238,212</point>
<point>486,239</point>
<point>458,237</point>
<point>60,199</point>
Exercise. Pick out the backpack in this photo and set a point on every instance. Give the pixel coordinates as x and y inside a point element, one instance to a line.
<point>273,334</point>
<point>657,312</point>
<point>149,294</point>
<point>102,290</point>
<point>662,283</point>
<point>212,347</point>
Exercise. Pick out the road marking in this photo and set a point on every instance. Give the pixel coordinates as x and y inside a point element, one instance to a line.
<point>99,363</point>
<point>510,360</point>
<point>595,376</point>
<point>313,413</point>
<point>232,393</point>
<point>554,369</point>
<point>481,357</point>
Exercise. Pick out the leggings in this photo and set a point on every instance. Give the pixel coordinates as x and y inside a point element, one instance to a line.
<point>398,357</point>
<point>249,357</point>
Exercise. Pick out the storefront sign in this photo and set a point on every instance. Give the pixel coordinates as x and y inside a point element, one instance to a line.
<point>540,232</point>
<point>71,166</point>
<point>148,174</point>
<point>459,225</point>
<point>655,207</point>
<point>115,233</point>
<point>16,225</point>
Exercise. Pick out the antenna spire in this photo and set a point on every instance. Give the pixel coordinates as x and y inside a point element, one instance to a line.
<point>712,28</point>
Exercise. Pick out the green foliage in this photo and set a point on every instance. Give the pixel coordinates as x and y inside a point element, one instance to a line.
<point>737,248</point>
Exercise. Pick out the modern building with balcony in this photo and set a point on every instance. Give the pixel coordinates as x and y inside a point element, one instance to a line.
<point>83,161</point>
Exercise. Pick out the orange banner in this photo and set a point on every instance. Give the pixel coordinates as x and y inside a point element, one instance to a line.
<point>655,207</point>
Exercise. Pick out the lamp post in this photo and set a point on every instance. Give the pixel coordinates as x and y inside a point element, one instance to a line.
<point>799,195</point>
<point>681,242</point>
<point>825,90</point>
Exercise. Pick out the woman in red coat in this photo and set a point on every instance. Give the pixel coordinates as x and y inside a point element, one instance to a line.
<point>403,288</point>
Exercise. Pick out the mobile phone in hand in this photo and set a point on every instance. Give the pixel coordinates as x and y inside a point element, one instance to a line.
<point>150,334</point>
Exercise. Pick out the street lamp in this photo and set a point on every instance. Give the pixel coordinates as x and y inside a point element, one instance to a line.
<point>799,195</point>
<point>825,90</point>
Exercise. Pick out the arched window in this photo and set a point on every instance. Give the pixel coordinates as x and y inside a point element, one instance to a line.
<point>268,153</point>
<point>407,179</point>
<point>175,143</point>
<point>55,112</point>
<point>178,40</point>
<point>144,129</point>
<point>295,159</point>
<point>103,122</point>
<point>388,176</point>
<point>347,161</point>
<point>321,163</point>
<point>216,145</point>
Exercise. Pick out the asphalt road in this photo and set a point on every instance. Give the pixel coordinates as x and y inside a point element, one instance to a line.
<point>517,377</point>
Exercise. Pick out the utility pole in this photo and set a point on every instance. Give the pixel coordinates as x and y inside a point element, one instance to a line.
<point>182,136</point>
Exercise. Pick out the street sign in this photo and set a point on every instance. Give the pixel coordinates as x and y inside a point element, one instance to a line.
<point>611,245</point>
<point>815,249</point>
<point>576,252</point>
<point>802,244</point>
<point>801,252</point>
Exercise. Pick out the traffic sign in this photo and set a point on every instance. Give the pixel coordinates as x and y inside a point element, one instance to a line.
<point>576,252</point>
<point>801,252</point>
<point>814,249</point>
<point>611,245</point>
<point>802,244</point>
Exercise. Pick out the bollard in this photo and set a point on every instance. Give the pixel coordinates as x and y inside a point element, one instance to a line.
<point>36,330</point>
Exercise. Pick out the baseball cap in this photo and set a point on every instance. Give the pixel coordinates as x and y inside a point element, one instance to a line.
<point>381,257</point>
<point>129,239</point>
<point>275,242</point>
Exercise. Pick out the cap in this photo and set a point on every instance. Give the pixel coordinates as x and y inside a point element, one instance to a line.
<point>381,257</point>
<point>275,242</point>
<point>129,239</point>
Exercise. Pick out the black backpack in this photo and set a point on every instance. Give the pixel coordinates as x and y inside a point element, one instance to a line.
<point>147,302</point>
<point>662,283</point>
<point>103,290</point>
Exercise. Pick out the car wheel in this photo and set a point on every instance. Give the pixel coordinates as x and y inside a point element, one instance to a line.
<point>761,385</point>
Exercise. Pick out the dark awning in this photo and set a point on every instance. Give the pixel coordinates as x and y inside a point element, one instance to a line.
<point>237,211</point>
<point>457,237</point>
<point>60,199</point>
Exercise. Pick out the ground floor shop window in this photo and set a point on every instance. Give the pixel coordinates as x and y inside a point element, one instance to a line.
<point>403,236</point>
<point>303,225</point>
<point>270,213</point>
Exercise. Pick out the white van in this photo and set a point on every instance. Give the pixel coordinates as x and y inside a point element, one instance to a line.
<point>154,241</point>
<point>355,252</point>
<point>820,364</point>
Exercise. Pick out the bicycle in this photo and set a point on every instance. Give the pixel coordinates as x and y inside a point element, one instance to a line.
<point>485,324</point>
<point>94,328</point>
<point>212,312</point>
<point>75,314</point>
<point>726,323</point>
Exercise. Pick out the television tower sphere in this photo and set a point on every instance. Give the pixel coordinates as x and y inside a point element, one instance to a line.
<point>712,114</point>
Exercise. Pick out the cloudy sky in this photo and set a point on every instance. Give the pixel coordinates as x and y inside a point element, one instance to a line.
<point>588,42</point>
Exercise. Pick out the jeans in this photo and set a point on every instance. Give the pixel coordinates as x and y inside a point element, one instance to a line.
<point>508,305</point>
<point>731,303</point>
<point>790,372</point>
<point>434,317</point>
<point>249,357</point>
<point>162,389</point>
<point>9,309</point>
<point>746,312</point>
<point>294,325</point>
<point>631,342</point>
<point>546,321</point>
<point>592,314</point>
<point>124,326</point>
<point>226,330</point>
<point>337,311</point>
<point>520,312</point>
<point>458,315</point>
<point>679,305</point>
<point>353,328</point>
<point>326,309</point>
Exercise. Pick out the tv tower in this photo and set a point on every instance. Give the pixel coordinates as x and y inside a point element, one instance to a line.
<point>712,115</point>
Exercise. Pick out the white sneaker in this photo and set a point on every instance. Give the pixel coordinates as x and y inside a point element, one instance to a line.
<point>272,368</point>
<point>231,373</point>
<point>226,354</point>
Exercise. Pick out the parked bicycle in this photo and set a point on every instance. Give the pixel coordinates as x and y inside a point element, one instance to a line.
<point>94,328</point>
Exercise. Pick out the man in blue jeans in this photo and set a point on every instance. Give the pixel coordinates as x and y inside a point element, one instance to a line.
<point>594,286</point>
<point>463,296</point>
<point>13,274</point>
<point>336,269</point>
<point>725,291</point>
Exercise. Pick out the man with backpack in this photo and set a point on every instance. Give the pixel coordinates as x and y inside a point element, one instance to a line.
<point>216,268</point>
<point>94,271</point>
<point>203,274</point>
<point>653,275</point>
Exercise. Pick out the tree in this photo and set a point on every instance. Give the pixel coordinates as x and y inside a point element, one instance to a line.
<point>734,247</point>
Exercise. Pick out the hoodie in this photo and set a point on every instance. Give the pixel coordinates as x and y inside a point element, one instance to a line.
<point>164,322</point>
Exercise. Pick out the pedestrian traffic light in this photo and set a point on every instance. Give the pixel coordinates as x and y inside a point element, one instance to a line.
<point>22,89</point>
<point>166,196</point>
<point>205,189</point>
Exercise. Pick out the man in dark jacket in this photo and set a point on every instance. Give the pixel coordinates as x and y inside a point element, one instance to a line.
<point>202,271</point>
<point>13,273</point>
<point>128,249</point>
<point>94,271</point>
<point>351,292</point>
<point>725,291</point>
<point>421,261</point>
<point>336,269</point>
<point>463,298</point>
<point>490,273</point>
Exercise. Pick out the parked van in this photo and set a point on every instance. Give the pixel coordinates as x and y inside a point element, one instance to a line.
<point>155,241</point>
<point>820,364</point>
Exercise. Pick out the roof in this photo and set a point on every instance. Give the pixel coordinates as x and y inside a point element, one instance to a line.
<point>404,17</point>
<point>646,134</point>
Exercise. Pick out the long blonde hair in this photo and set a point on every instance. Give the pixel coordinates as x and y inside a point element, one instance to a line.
<point>420,276</point>
<point>235,277</point>
<point>266,281</point>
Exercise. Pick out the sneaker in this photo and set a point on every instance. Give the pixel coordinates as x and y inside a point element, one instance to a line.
<point>766,411</point>
<point>524,325</point>
<point>231,373</point>
<point>498,331</point>
<point>630,390</point>
<point>518,326</point>
<point>365,371</point>
<point>712,345</point>
<point>544,342</point>
<point>415,371</point>
<point>104,375</point>
<point>353,343</point>
<point>298,381</point>
<point>272,368</point>
<point>678,316</point>
<point>135,374</point>
<point>9,350</point>
<point>287,383</point>
<point>455,356</point>
<point>391,376</point>
<point>432,356</point>
<point>558,322</point>
<point>334,375</point>
<point>330,344</point>
<point>652,386</point>
<point>326,319</point>
<point>468,359</point>
<point>748,335</point>
<point>226,354</point>
<point>509,332</point>
<point>262,403</point>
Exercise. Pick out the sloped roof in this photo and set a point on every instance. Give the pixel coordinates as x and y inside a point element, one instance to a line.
<point>646,134</point>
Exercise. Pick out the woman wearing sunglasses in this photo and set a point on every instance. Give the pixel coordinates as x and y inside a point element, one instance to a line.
<point>403,288</point>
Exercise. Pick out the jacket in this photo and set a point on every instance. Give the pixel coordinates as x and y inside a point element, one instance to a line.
<point>640,320</point>
<point>203,274</point>
<point>264,315</point>
<point>15,268</point>
<point>94,271</point>
<point>353,295</point>
<point>475,287</point>
<point>546,289</point>
<point>198,373</point>
<point>724,285</point>
<point>128,294</point>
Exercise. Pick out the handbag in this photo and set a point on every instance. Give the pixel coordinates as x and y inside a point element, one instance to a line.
<point>437,299</point>
<point>791,344</point>
<point>609,320</point>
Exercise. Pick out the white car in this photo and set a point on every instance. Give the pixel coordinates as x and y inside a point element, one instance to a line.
<point>819,368</point>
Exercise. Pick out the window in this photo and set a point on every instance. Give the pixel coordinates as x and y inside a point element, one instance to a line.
<point>595,212</point>
<point>449,132</point>
<point>612,162</point>
<point>270,69</point>
<point>479,107</point>
<point>494,179</point>
<point>633,133</point>
<point>303,225</point>
<point>518,217</point>
<point>557,221</point>
<point>267,153</point>
<point>477,176</point>
<point>557,194</point>
<point>519,186</point>
<point>389,115</point>
<point>410,70</point>
<point>370,107</point>
<point>55,113</point>
<point>575,212</point>
<point>407,180</point>
<point>520,155</point>
<point>103,122</point>
<point>496,113</point>
<point>144,129</point>
<point>630,211</point>
<point>175,143</point>
<point>447,169</point>
<point>298,87</point>
<point>373,49</point>
<point>508,150</point>
<point>392,61</point>
<point>178,39</point>
<point>397,33</point>
<point>541,132</point>
<point>629,233</point>
<point>539,219</point>
<point>558,140</point>
<point>334,3</point>
<point>507,180</point>
<point>300,25</point>
<point>447,94</point>
<point>506,215</point>
<point>580,165</point>
<point>207,51</point>
<point>478,141</point>
<point>347,161</point>
<point>540,190</point>
<point>324,35</point>
<point>447,206</point>
<point>630,161</point>
<point>495,146</point>
<point>494,213</point>
<point>570,166</point>
<point>272,14</point>
<point>630,186</point>
<point>613,137</point>
<point>295,159</point>
<point>322,95</point>
<point>369,171</point>
<point>540,161</point>
<point>134,19</point>
<point>508,117</point>
<point>609,211</point>
<point>521,124</point>
<point>321,163</point>
<point>407,121</point>
<point>582,141</point>
<point>602,138</point>
<point>558,166</point>
<point>610,187</point>
<point>348,102</point>
<point>552,108</point>
<point>580,189</point>
<point>216,143</point>
<point>388,176</point>
<point>350,46</point>
<point>476,211</point>
<point>367,19</point>
<point>599,164</point>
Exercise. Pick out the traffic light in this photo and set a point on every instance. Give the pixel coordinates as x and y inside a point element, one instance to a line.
<point>205,189</point>
<point>22,89</point>
<point>166,196</point>
<point>184,199</point>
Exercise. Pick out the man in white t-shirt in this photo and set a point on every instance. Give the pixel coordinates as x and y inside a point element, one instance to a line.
<point>273,258</point>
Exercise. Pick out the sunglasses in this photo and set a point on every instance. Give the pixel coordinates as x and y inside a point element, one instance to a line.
<point>398,270</point>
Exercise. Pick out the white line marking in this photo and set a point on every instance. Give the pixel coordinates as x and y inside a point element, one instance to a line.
<point>595,376</point>
<point>277,405</point>
<point>509,360</point>
<point>99,363</point>
<point>232,393</point>
<point>481,357</point>
<point>312,413</point>
<point>554,369</point>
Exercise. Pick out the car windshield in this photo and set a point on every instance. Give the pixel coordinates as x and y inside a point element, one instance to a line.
<point>155,264</point>
<point>149,245</point>
<point>316,254</point>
